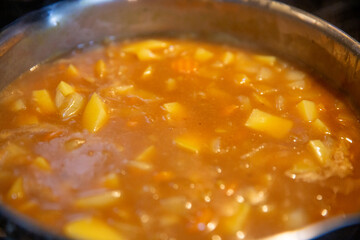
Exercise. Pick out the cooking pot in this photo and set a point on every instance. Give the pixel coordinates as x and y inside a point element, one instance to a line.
<point>274,27</point>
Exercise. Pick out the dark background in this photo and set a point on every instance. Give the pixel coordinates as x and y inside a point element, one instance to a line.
<point>343,14</point>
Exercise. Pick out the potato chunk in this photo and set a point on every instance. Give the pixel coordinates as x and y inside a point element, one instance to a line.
<point>190,143</point>
<point>146,155</point>
<point>320,126</point>
<point>18,105</point>
<point>175,111</point>
<point>320,151</point>
<point>143,49</point>
<point>65,88</point>
<point>16,190</point>
<point>100,69</point>
<point>42,163</point>
<point>272,125</point>
<point>99,200</point>
<point>228,58</point>
<point>270,60</point>
<point>236,222</point>
<point>43,101</point>
<point>89,228</point>
<point>307,110</point>
<point>147,44</point>
<point>203,55</point>
<point>95,115</point>
<point>111,181</point>
<point>72,71</point>
<point>62,90</point>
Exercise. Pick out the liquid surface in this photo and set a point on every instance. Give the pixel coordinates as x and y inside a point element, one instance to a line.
<point>175,139</point>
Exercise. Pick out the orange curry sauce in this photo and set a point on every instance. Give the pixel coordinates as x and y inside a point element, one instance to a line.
<point>175,139</point>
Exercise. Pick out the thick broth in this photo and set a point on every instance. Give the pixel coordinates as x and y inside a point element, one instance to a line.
<point>175,139</point>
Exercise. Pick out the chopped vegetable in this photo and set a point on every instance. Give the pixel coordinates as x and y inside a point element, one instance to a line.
<point>320,126</point>
<point>73,144</point>
<point>18,105</point>
<point>99,200</point>
<point>42,163</point>
<point>147,44</point>
<point>16,191</point>
<point>43,101</point>
<point>111,181</point>
<point>307,110</point>
<point>175,111</point>
<point>147,155</point>
<point>189,142</point>
<point>236,222</point>
<point>100,69</point>
<point>269,60</point>
<point>91,229</point>
<point>228,58</point>
<point>171,84</point>
<point>95,115</point>
<point>319,150</point>
<point>264,74</point>
<point>202,55</point>
<point>27,119</point>
<point>72,105</point>
<point>270,124</point>
<point>65,88</point>
<point>72,71</point>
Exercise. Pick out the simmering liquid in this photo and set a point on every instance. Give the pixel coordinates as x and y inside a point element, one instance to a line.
<point>175,139</point>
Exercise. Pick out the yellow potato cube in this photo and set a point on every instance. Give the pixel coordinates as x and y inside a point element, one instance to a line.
<point>72,71</point>
<point>16,190</point>
<point>175,110</point>
<point>189,142</point>
<point>65,88</point>
<point>171,84</point>
<point>100,69</point>
<point>146,55</point>
<point>142,166</point>
<point>320,151</point>
<point>147,44</point>
<point>18,105</point>
<point>43,101</point>
<point>270,60</point>
<point>27,119</point>
<point>147,155</point>
<point>89,228</point>
<point>320,126</point>
<point>42,163</point>
<point>72,105</point>
<point>236,222</point>
<point>307,110</point>
<point>99,200</point>
<point>228,58</point>
<point>272,125</point>
<point>62,90</point>
<point>111,181</point>
<point>74,143</point>
<point>203,55</point>
<point>95,115</point>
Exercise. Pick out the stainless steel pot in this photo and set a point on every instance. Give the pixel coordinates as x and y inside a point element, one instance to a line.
<point>273,26</point>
